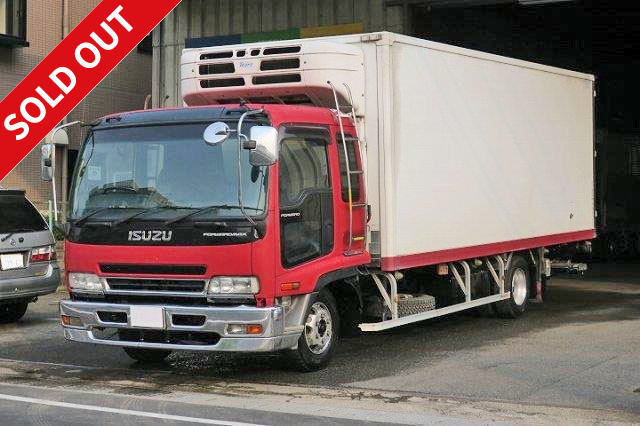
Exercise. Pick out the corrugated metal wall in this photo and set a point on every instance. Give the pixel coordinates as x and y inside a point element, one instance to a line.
<point>204,18</point>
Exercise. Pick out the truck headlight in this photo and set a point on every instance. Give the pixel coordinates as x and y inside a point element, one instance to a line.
<point>233,285</point>
<point>85,283</point>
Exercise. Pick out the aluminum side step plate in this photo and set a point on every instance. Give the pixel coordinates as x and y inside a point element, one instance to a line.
<point>384,325</point>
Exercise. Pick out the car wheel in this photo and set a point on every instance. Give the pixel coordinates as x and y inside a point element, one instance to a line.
<point>12,312</point>
<point>319,339</point>
<point>518,282</point>
<point>147,355</point>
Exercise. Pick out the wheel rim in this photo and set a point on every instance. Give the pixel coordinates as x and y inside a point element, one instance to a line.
<point>519,286</point>
<point>318,328</point>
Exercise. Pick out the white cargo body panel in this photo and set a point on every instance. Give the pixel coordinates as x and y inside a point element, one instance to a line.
<point>480,154</point>
<point>468,154</point>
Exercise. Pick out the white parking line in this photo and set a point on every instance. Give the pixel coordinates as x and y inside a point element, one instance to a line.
<point>82,367</point>
<point>54,364</point>
<point>119,411</point>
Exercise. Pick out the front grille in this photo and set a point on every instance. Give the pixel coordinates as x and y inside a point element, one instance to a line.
<point>169,286</point>
<point>153,269</point>
<point>144,299</point>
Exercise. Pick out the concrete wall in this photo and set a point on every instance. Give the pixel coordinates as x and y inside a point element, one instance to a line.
<point>205,18</point>
<point>124,89</point>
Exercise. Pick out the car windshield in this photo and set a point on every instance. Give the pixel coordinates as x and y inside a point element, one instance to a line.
<point>18,215</point>
<point>168,170</point>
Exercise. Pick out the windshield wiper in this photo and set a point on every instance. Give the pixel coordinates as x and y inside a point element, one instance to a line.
<point>204,210</point>
<point>145,211</point>
<point>84,218</point>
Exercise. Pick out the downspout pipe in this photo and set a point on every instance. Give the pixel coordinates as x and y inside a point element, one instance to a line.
<point>65,166</point>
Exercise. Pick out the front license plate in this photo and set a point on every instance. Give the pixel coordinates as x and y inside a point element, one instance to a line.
<point>146,317</point>
<point>11,261</point>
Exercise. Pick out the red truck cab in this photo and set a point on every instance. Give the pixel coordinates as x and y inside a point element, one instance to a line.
<point>162,256</point>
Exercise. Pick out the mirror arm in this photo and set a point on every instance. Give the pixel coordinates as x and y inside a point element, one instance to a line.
<point>241,144</point>
<point>249,144</point>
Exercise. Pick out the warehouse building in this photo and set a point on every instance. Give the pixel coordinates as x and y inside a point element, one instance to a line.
<point>593,36</point>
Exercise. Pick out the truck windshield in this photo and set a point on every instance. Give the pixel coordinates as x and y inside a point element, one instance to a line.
<point>167,170</point>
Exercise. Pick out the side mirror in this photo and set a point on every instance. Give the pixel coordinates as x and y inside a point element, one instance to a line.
<point>46,162</point>
<point>265,152</point>
<point>216,133</point>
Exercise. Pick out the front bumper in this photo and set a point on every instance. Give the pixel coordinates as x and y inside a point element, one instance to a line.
<point>273,338</point>
<point>28,287</point>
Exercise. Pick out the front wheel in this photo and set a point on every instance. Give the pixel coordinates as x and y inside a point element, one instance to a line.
<point>518,282</point>
<point>147,355</point>
<point>319,339</point>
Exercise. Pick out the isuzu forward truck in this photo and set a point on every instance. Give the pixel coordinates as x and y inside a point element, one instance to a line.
<point>315,188</point>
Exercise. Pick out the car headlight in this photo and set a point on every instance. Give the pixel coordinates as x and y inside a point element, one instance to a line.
<point>233,285</point>
<point>85,283</point>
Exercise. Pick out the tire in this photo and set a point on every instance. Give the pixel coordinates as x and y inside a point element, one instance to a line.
<point>147,355</point>
<point>518,282</point>
<point>409,305</point>
<point>12,312</point>
<point>486,311</point>
<point>320,337</point>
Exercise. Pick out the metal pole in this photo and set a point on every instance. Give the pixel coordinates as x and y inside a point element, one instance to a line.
<point>50,214</point>
<point>64,181</point>
<point>53,187</point>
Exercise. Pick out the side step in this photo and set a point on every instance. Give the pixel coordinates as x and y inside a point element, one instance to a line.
<point>384,325</point>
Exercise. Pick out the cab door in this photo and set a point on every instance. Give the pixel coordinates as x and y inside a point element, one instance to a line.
<point>305,196</point>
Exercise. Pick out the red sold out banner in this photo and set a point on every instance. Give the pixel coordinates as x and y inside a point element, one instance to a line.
<point>74,68</point>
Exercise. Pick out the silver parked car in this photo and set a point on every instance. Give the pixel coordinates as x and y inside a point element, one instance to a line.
<point>28,266</point>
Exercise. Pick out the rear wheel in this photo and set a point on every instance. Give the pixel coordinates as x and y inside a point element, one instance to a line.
<point>319,339</point>
<point>147,355</point>
<point>518,282</point>
<point>12,312</point>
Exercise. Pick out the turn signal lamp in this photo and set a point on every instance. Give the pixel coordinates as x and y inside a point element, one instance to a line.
<point>68,321</point>
<point>289,286</point>
<point>254,329</point>
<point>244,329</point>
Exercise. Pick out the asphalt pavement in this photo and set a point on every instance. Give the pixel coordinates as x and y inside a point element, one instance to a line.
<point>575,358</point>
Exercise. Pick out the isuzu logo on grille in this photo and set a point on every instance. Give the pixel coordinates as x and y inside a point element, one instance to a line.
<point>150,235</point>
